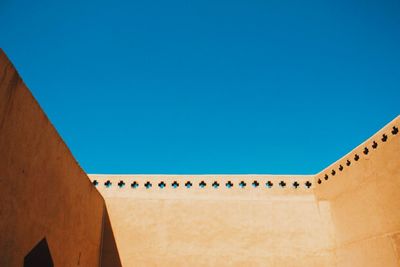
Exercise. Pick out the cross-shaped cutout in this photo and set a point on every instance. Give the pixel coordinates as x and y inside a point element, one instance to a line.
<point>308,184</point>
<point>242,184</point>
<point>374,145</point>
<point>229,184</point>
<point>161,184</point>
<point>108,183</point>
<point>255,183</point>
<point>134,184</point>
<point>95,183</point>
<point>282,184</point>
<point>269,184</point>
<point>188,184</point>
<point>215,184</point>
<point>121,184</point>
<point>202,184</point>
<point>175,184</point>
<point>295,184</point>
<point>147,185</point>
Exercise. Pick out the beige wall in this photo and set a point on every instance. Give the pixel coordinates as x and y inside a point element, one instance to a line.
<point>43,191</point>
<point>218,227</point>
<point>364,199</point>
<point>350,219</point>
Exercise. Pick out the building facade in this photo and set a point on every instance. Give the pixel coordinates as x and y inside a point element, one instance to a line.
<point>53,213</point>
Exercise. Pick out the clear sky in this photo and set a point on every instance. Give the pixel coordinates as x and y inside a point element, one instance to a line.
<point>279,87</point>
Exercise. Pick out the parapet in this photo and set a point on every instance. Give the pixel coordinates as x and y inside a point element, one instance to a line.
<point>346,215</point>
<point>201,185</point>
<point>330,181</point>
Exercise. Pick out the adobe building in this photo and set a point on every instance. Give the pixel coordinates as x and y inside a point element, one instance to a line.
<point>53,214</point>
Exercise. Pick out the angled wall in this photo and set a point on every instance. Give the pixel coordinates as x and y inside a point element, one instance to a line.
<point>350,216</point>
<point>362,191</point>
<point>44,194</point>
<point>347,215</point>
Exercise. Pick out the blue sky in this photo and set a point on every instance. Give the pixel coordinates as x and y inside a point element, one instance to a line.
<point>279,87</point>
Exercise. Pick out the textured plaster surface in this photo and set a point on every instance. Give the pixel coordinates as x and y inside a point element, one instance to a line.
<point>43,191</point>
<point>348,215</point>
<point>250,226</point>
<point>350,218</point>
<point>364,200</point>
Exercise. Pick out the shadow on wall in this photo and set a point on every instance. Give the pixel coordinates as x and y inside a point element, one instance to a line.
<point>109,251</point>
<point>39,256</point>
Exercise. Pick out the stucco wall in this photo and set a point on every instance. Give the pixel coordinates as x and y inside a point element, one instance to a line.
<point>250,226</point>
<point>364,199</point>
<point>43,191</point>
<point>348,215</point>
